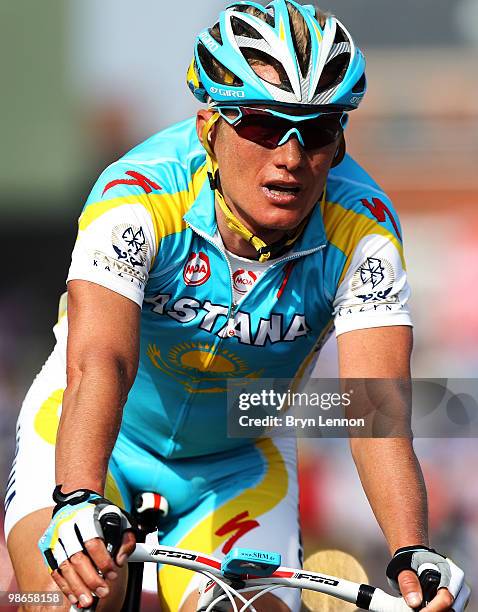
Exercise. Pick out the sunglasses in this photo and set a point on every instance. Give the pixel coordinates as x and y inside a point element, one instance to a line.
<point>270,128</point>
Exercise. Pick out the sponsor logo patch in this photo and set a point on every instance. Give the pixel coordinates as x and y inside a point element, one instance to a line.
<point>129,244</point>
<point>374,279</point>
<point>136,179</point>
<point>243,280</point>
<point>381,212</point>
<point>236,527</point>
<point>197,269</point>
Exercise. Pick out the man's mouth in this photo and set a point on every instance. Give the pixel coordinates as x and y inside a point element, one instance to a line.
<point>281,189</point>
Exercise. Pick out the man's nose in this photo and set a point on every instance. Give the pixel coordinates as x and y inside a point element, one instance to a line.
<point>290,152</point>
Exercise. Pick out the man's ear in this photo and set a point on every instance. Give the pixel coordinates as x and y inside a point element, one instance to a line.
<point>202,117</point>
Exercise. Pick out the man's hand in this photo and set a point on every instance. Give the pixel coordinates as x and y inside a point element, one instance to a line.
<point>409,562</point>
<point>74,544</point>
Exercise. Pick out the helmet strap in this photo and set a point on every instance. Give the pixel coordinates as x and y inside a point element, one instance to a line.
<point>265,251</point>
<point>340,152</point>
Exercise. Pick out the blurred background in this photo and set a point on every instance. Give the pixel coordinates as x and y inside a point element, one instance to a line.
<point>85,81</point>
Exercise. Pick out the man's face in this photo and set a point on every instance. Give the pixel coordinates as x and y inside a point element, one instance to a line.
<point>269,189</point>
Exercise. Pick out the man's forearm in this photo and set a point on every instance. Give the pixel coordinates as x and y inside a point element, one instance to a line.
<point>393,482</point>
<point>89,425</point>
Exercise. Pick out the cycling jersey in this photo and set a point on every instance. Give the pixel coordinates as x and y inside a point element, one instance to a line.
<point>148,231</point>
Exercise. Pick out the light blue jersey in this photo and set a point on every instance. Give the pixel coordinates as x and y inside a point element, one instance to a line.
<point>148,231</point>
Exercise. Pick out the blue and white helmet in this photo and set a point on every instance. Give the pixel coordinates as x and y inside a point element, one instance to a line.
<point>330,73</point>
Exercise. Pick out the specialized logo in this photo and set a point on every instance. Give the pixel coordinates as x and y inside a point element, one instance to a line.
<point>243,280</point>
<point>374,279</point>
<point>381,211</point>
<point>136,179</point>
<point>239,525</point>
<point>197,269</point>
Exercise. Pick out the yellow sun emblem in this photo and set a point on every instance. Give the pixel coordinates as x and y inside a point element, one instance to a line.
<point>201,367</point>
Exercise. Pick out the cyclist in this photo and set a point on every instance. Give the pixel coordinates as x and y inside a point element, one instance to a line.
<point>224,248</point>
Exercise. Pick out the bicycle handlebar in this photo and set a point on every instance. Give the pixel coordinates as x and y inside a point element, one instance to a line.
<point>363,596</point>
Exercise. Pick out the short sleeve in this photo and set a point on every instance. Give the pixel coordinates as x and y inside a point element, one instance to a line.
<point>374,291</point>
<point>117,242</point>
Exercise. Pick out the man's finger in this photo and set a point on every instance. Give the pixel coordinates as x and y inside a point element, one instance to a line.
<point>101,558</point>
<point>128,545</point>
<point>441,602</point>
<point>89,575</point>
<point>78,588</point>
<point>410,588</point>
<point>64,586</point>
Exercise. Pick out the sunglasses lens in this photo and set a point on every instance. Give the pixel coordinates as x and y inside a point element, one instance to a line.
<point>268,130</point>
<point>321,132</point>
<point>265,130</point>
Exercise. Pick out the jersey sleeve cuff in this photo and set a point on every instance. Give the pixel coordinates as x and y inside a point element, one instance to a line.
<point>115,285</point>
<point>368,322</point>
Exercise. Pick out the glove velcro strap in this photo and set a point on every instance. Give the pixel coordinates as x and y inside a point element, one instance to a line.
<point>73,498</point>
<point>402,560</point>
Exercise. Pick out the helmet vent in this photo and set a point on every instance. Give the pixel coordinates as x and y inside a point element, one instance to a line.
<point>333,73</point>
<point>340,35</point>
<point>216,71</point>
<point>254,11</point>
<point>215,32</point>
<point>255,56</point>
<point>241,28</point>
<point>360,85</point>
<point>302,51</point>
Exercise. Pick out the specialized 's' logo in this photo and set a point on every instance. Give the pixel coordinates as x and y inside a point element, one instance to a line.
<point>243,280</point>
<point>197,269</point>
<point>238,526</point>
<point>136,179</point>
<point>381,211</point>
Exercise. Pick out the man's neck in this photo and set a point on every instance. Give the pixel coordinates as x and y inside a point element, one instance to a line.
<point>238,245</point>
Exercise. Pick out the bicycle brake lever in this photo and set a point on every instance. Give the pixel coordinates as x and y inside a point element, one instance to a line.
<point>111,525</point>
<point>429,580</point>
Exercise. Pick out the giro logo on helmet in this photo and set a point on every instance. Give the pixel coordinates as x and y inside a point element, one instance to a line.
<point>231,93</point>
<point>209,41</point>
<point>197,269</point>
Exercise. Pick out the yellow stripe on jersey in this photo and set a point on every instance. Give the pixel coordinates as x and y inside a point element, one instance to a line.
<point>166,210</point>
<point>112,491</point>
<point>345,228</point>
<point>257,501</point>
<point>47,418</point>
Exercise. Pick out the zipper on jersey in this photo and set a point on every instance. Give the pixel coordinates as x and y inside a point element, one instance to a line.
<point>234,305</point>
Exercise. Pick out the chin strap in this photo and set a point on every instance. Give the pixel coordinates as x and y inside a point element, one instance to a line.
<point>265,251</point>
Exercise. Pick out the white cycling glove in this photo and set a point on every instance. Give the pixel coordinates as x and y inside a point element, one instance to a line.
<point>77,517</point>
<point>419,559</point>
